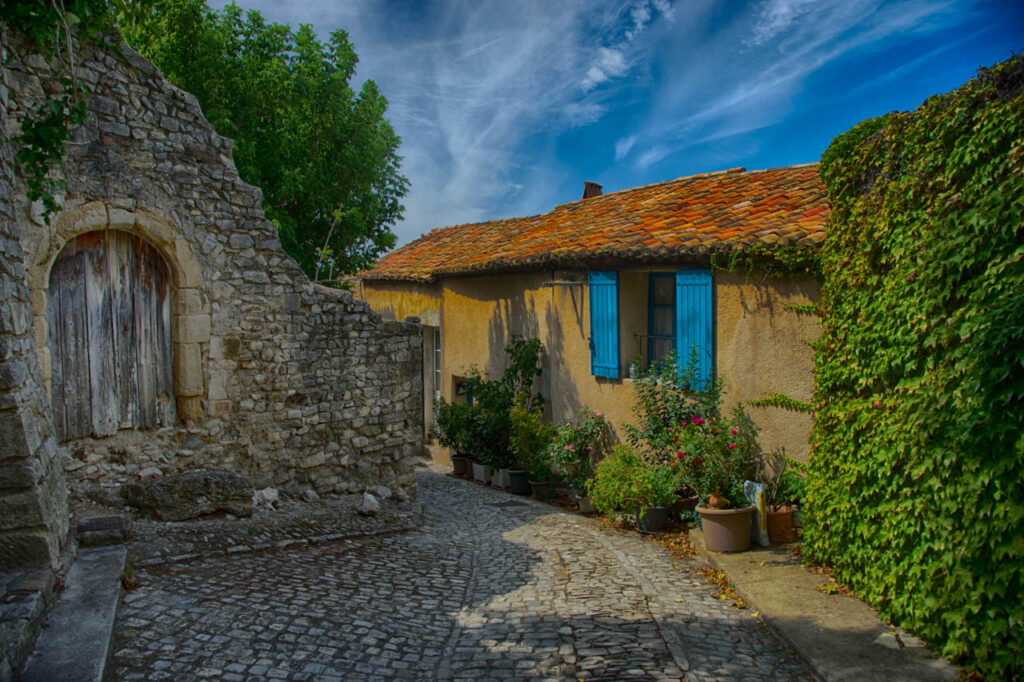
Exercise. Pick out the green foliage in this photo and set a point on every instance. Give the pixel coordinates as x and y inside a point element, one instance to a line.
<point>530,436</point>
<point>489,419</point>
<point>454,426</point>
<point>915,492</point>
<point>782,477</point>
<point>782,400</point>
<point>773,260</point>
<point>667,395</point>
<point>572,448</point>
<point>715,455</point>
<point>611,488</point>
<point>46,27</point>
<point>655,486</point>
<point>321,152</point>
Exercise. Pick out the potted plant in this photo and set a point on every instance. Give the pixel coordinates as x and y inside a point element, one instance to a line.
<point>714,457</point>
<point>528,439</point>
<point>783,485</point>
<point>655,490</point>
<point>574,445</point>
<point>611,488</point>
<point>453,429</point>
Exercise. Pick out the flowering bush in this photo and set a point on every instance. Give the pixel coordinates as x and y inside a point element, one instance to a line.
<point>715,456</point>
<point>529,439</point>
<point>573,445</point>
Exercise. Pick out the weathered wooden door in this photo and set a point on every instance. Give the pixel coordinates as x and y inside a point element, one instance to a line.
<point>109,321</point>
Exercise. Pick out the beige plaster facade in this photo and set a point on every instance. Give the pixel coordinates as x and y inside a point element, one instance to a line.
<point>761,344</point>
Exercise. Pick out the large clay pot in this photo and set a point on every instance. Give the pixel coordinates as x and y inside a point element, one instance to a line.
<point>780,526</point>
<point>726,530</point>
<point>460,464</point>
<point>542,490</point>
<point>652,520</point>
<point>519,482</point>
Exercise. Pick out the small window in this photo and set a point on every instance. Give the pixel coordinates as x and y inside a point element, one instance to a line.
<point>661,316</point>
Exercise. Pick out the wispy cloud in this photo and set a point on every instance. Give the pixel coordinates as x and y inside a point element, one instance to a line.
<point>751,70</point>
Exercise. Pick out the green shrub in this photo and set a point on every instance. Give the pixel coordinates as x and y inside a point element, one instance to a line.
<point>915,493</point>
<point>454,426</point>
<point>530,435</point>
<point>611,488</point>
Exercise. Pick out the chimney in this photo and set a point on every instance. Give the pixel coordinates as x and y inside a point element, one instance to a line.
<point>591,189</point>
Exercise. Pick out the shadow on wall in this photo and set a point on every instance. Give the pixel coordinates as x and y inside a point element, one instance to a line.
<point>519,315</point>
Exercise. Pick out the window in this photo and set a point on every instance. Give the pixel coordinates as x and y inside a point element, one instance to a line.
<point>661,315</point>
<point>678,316</point>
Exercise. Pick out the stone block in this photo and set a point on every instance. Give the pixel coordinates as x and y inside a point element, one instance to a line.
<point>193,329</point>
<point>187,361</point>
<point>20,474</point>
<point>186,267</point>
<point>27,547</point>
<point>21,509</point>
<point>188,302</point>
<point>84,218</point>
<point>192,494</point>
<point>121,219</point>
<point>14,442</point>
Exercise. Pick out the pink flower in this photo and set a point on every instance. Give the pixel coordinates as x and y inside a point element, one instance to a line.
<point>732,445</point>
<point>597,414</point>
<point>697,420</point>
<point>734,432</point>
<point>583,404</point>
<point>566,447</point>
<point>589,448</point>
<point>680,455</point>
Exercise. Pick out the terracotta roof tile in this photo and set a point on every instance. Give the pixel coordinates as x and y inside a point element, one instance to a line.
<point>686,217</point>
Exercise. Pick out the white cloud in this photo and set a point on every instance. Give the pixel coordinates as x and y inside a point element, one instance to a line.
<point>623,145</point>
<point>608,63</point>
<point>717,91</point>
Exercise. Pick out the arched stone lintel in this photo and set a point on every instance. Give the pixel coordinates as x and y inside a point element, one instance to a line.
<point>190,325</point>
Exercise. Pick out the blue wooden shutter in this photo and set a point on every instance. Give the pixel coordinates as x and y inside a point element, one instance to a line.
<point>693,320</point>
<point>604,324</point>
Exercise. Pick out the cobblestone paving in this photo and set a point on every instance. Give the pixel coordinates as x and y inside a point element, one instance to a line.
<point>491,587</point>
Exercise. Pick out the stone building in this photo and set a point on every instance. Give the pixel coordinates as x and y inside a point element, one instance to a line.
<point>615,280</point>
<point>156,320</point>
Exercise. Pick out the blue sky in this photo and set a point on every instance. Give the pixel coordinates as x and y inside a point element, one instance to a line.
<point>505,107</point>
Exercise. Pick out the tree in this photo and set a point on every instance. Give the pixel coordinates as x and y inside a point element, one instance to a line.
<point>324,156</point>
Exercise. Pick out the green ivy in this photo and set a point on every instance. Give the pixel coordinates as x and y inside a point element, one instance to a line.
<point>782,400</point>
<point>915,493</point>
<point>48,27</point>
<point>772,259</point>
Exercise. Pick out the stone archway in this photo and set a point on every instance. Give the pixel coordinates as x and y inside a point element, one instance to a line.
<point>190,324</point>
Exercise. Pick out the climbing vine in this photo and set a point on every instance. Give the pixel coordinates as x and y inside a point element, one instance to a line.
<point>782,400</point>
<point>52,28</point>
<point>916,485</point>
<point>772,259</point>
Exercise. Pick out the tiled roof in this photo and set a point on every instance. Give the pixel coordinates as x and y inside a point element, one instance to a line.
<point>677,220</point>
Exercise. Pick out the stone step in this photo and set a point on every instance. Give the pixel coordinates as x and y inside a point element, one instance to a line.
<point>75,644</point>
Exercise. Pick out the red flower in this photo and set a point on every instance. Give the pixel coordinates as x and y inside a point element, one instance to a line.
<point>734,432</point>
<point>732,445</point>
<point>680,455</point>
<point>697,420</point>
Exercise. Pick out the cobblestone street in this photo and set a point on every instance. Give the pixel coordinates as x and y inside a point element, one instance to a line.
<point>491,587</point>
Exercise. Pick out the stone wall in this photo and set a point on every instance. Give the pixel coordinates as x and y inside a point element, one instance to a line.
<point>33,497</point>
<point>275,377</point>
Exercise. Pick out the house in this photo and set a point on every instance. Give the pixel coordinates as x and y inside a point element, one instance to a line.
<point>622,277</point>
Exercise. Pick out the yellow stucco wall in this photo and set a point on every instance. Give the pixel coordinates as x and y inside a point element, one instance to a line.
<point>761,345</point>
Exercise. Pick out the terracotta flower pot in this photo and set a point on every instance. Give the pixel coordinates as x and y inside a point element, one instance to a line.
<point>726,530</point>
<point>780,526</point>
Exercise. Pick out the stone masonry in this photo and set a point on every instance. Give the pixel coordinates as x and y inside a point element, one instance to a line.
<point>274,377</point>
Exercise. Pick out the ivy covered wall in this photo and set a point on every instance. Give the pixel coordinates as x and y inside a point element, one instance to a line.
<point>916,490</point>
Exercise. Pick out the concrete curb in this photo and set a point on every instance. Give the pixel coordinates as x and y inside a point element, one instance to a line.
<point>839,637</point>
<point>75,645</point>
